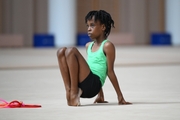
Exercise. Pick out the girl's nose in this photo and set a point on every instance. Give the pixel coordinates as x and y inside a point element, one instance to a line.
<point>89,28</point>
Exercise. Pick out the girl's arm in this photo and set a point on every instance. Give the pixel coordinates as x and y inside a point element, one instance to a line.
<point>100,97</point>
<point>109,50</point>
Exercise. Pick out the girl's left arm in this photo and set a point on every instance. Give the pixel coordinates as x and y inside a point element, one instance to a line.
<point>109,50</point>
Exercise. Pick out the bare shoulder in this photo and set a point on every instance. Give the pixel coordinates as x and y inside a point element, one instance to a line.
<point>87,44</point>
<point>109,46</point>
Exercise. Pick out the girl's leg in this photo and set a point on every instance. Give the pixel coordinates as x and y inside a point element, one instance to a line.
<point>64,71</point>
<point>78,70</point>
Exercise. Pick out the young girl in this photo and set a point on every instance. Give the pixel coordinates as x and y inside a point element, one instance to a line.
<point>85,79</point>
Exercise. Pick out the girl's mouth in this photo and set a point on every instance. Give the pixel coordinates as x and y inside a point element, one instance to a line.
<point>89,34</point>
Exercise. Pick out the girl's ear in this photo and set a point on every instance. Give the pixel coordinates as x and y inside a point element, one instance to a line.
<point>103,27</point>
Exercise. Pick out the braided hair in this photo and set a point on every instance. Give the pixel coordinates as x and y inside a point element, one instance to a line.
<point>103,17</point>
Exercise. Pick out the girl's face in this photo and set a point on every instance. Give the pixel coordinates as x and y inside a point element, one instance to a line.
<point>95,29</point>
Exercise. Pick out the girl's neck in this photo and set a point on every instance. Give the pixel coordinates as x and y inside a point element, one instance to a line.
<point>99,41</point>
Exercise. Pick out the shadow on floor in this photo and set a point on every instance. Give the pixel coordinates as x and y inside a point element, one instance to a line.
<point>133,103</point>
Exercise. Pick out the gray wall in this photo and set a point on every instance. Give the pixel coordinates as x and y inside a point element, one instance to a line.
<point>26,17</point>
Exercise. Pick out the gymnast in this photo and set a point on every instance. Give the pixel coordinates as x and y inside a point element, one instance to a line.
<point>85,79</point>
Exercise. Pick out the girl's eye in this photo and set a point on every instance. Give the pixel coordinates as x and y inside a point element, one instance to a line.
<point>92,25</point>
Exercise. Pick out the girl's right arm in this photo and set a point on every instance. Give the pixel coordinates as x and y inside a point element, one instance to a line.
<point>100,97</point>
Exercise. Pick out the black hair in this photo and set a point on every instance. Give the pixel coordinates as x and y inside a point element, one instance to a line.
<point>103,17</point>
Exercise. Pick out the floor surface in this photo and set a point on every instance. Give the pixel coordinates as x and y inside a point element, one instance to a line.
<point>149,77</point>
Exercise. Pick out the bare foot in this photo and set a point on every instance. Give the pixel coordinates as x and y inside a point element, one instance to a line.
<point>68,97</point>
<point>75,99</point>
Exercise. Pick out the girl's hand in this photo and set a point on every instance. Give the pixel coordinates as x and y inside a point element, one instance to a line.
<point>100,100</point>
<point>123,102</point>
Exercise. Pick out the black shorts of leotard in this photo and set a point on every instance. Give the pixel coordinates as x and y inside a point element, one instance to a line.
<point>90,86</point>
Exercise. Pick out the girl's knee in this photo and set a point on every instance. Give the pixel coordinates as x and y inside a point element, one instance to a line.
<point>61,52</point>
<point>70,51</point>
